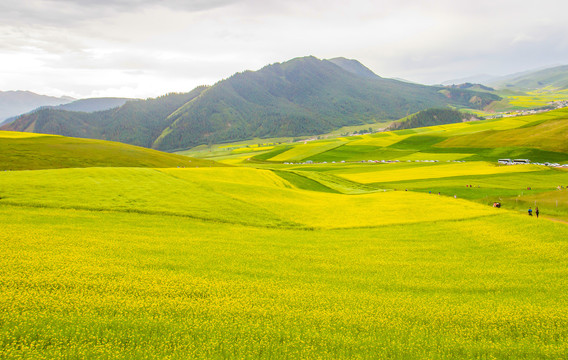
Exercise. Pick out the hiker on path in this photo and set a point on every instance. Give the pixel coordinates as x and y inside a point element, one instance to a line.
<point>537,212</point>
<point>530,212</point>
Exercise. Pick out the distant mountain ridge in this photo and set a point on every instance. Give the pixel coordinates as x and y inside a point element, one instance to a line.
<point>555,77</point>
<point>303,96</point>
<point>476,79</point>
<point>82,105</point>
<point>94,104</point>
<point>470,86</point>
<point>13,103</point>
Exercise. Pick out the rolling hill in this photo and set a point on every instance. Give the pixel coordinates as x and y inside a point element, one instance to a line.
<point>303,96</point>
<point>26,151</point>
<point>549,135</point>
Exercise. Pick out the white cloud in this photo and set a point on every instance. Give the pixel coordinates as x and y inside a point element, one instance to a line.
<point>146,47</point>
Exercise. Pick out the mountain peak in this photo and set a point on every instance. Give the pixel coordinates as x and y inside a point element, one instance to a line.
<point>354,67</point>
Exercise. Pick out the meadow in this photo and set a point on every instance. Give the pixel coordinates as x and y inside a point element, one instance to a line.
<point>276,259</point>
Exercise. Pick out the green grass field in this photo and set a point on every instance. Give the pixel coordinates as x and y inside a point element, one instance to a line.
<point>270,260</point>
<point>28,151</point>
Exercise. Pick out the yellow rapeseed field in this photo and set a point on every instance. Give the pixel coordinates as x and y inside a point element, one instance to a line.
<point>440,170</point>
<point>19,135</point>
<point>304,151</point>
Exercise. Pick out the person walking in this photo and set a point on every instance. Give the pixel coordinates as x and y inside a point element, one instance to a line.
<point>537,212</point>
<point>530,212</point>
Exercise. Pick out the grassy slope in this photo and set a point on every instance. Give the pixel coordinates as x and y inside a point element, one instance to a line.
<point>550,135</point>
<point>231,195</point>
<point>26,151</point>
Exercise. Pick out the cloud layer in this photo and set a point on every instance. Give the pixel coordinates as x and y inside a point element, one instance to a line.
<point>146,48</point>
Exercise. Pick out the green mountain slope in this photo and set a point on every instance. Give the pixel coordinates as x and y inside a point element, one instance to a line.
<point>354,67</point>
<point>304,96</point>
<point>23,151</point>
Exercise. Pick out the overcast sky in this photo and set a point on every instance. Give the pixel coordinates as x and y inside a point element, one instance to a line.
<point>146,48</point>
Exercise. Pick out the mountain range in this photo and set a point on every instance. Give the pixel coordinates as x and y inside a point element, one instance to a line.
<point>14,103</point>
<point>554,78</point>
<point>81,105</point>
<point>303,96</point>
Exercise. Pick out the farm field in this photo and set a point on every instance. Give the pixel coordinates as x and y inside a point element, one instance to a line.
<point>276,258</point>
<point>455,279</point>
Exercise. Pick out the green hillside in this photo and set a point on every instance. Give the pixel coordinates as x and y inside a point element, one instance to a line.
<point>431,117</point>
<point>354,67</point>
<point>550,135</point>
<point>304,96</point>
<point>25,151</point>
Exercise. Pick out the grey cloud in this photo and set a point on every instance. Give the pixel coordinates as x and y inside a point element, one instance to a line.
<point>69,13</point>
<point>186,5</point>
<point>175,41</point>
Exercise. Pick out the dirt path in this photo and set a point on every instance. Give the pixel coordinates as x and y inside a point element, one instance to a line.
<point>555,220</point>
